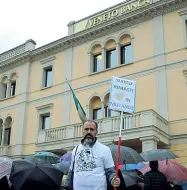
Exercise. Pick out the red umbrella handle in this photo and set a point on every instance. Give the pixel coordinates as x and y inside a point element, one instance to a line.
<point>118,158</point>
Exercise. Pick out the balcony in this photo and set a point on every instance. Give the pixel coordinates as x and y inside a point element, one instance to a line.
<point>140,125</point>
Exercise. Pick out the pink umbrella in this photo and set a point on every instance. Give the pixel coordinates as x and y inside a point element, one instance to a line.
<point>5,166</point>
<point>171,169</point>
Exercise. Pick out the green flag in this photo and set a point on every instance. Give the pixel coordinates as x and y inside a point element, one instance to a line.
<point>80,110</point>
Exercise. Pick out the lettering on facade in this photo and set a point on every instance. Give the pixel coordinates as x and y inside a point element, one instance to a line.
<point>118,12</point>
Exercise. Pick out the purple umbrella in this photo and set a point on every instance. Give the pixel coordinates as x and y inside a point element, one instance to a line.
<point>66,157</point>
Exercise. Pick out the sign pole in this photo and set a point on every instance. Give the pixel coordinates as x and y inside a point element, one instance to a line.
<point>119,144</point>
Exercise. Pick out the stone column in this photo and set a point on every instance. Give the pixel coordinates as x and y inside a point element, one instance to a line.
<point>8,88</point>
<point>3,134</point>
<point>67,98</point>
<point>160,60</point>
<point>103,59</point>
<point>87,112</point>
<point>149,143</point>
<point>103,109</point>
<point>118,54</point>
<point>90,63</point>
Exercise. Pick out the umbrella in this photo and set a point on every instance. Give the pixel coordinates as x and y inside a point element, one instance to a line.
<point>129,167</point>
<point>184,185</point>
<point>5,166</point>
<point>130,179</point>
<point>36,174</point>
<point>129,155</point>
<point>158,154</point>
<point>66,157</point>
<point>31,158</point>
<point>47,156</point>
<point>63,166</point>
<point>171,169</point>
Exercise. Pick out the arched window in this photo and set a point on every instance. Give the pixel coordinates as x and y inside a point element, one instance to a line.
<point>8,86</point>
<point>95,108</point>
<point>96,58</point>
<point>111,54</point>
<point>108,113</point>
<point>4,87</point>
<point>13,84</point>
<point>7,134</point>
<point>125,49</point>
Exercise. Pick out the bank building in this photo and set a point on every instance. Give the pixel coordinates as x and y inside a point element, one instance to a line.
<point>144,41</point>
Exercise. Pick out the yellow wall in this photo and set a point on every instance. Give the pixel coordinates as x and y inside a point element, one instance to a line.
<point>80,61</point>
<point>176,57</point>
<point>143,48</point>
<point>178,127</point>
<point>106,75</point>
<point>173,31</point>
<point>177,91</point>
<point>145,98</point>
<point>32,118</point>
<point>146,93</point>
<point>181,151</point>
<point>143,40</point>
<point>13,112</point>
<point>58,72</point>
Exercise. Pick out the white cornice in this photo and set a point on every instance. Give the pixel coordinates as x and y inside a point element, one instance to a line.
<point>183,12</point>
<point>178,138</point>
<point>48,59</point>
<point>45,106</point>
<point>19,59</point>
<point>133,18</point>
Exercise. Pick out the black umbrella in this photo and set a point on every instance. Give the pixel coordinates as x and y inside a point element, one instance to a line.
<point>129,155</point>
<point>35,174</point>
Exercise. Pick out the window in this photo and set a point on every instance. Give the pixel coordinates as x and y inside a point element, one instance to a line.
<point>48,76</point>
<point>97,63</point>
<point>126,54</point>
<point>97,113</point>
<point>46,121</point>
<point>8,86</point>
<point>111,58</point>
<point>183,14</point>
<point>110,113</point>
<point>47,71</point>
<point>44,116</point>
<point>13,88</point>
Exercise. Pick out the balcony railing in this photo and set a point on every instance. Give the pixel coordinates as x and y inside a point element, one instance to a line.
<point>106,125</point>
<point>28,45</point>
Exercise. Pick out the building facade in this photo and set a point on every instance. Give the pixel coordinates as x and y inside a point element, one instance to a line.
<point>142,40</point>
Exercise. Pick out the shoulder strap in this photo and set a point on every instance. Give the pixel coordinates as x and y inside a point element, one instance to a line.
<point>74,158</point>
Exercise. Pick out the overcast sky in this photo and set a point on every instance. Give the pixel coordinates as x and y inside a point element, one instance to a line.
<point>42,20</point>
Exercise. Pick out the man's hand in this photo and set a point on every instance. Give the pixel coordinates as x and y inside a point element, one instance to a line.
<point>116,182</point>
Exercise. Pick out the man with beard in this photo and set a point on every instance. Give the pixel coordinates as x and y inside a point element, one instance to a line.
<point>92,163</point>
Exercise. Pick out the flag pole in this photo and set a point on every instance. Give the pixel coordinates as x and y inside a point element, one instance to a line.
<point>119,144</point>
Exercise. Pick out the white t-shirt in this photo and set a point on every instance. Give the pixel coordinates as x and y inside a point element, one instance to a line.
<point>90,165</point>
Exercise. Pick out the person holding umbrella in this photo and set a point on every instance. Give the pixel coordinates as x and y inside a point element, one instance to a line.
<point>92,163</point>
<point>154,179</point>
